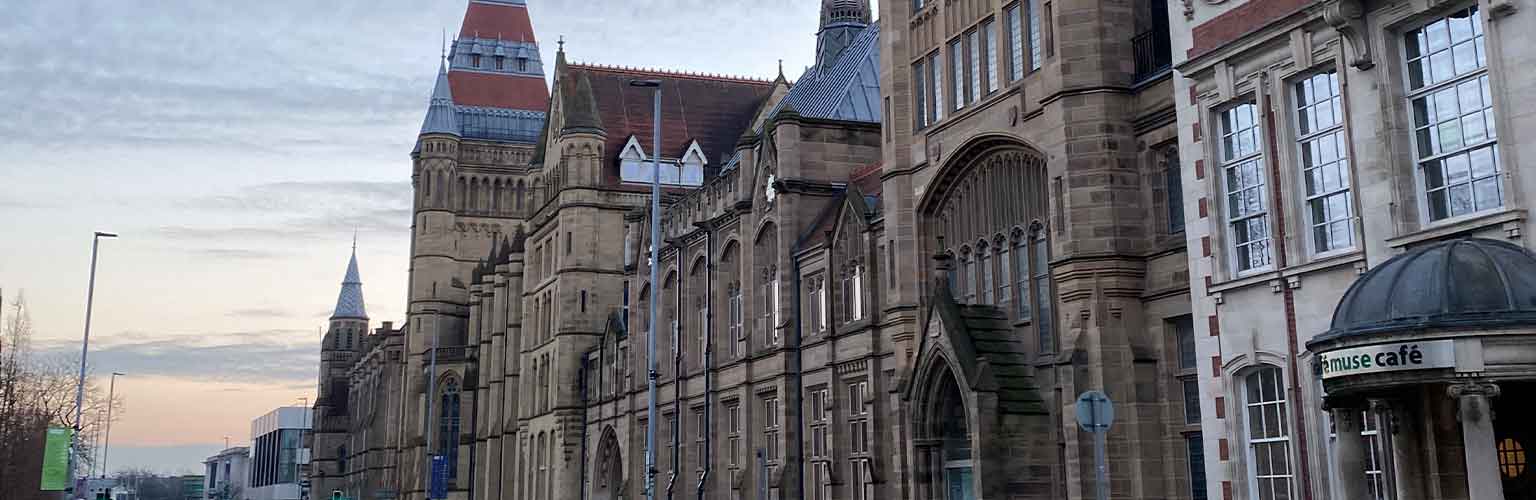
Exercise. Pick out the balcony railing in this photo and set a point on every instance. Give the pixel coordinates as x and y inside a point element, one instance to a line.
<point>1154,55</point>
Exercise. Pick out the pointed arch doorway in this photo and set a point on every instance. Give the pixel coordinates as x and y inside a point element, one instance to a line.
<point>609,468</point>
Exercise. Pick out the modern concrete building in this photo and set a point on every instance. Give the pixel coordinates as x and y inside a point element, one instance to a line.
<point>227,475</point>
<point>278,455</point>
<point>1363,281</point>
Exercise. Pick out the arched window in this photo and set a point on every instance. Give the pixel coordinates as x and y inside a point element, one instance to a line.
<point>984,268</point>
<point>967,277</point>
<point>955,434</point>
<point>1267,424</point>
<point>448,426</point>
<point>1004,274</point>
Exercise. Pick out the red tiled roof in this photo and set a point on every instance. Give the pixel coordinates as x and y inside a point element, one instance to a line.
<point>867,179</point>
<point>497,20</point>
<point>713,110</point>
<point>498,91</point>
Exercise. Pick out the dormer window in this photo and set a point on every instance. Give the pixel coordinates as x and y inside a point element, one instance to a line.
<point>474,60</point>
<point>501,62</point>
<point>522,64</point>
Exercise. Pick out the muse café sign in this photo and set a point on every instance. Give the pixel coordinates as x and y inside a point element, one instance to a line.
<point>1389,358</point>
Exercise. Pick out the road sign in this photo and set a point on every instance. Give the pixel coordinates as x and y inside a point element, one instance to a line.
<point>439,477</point>
<point>1095,413</point>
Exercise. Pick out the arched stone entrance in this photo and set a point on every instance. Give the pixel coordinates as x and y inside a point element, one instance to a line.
<point>608,469</point>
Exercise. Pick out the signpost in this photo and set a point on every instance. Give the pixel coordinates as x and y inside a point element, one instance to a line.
<point>1095,413</point>
<point>56,459</point>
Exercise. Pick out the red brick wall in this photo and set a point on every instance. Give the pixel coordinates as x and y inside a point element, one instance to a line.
<point>1233,24</point>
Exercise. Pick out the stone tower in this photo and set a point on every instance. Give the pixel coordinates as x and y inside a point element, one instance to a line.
<point>338,351</point>
<point>474,188</point>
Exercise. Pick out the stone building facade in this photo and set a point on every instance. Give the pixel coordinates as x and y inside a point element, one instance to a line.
<point>887,279</point>
<point>1328,147</point>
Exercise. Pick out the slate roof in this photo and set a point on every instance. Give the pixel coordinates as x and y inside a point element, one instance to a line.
<point>977,332</point>
<point>849,90</point>
<point>491,90</point>
<point>441,116</point>
<point>714,110</point>
<point>349,303</point>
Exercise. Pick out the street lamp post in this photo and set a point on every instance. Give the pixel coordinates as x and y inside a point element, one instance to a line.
<point>107,442</point>
<point>85,349</point>
<point>650,329</point>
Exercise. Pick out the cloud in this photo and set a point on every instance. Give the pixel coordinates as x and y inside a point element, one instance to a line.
<point>235,254</point>
<point>259,312</point>
<point>291,211</point>
<point>267,356</point>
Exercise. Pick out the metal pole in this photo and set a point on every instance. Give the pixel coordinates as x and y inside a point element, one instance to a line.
<point>107,443</point>
<point>1101,468</point>
<point>650,334</point>
<point>85,348</point>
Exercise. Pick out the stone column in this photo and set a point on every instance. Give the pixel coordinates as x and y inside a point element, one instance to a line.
<point>1476,416</point>
<point>1349,453</point>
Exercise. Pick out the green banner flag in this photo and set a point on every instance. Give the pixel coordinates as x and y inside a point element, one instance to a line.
<point>56,459</point>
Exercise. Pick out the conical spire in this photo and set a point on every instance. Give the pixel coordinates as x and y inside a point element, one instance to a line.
<point>841,21</point>
<point>349,304</point>
<point>441,117</point>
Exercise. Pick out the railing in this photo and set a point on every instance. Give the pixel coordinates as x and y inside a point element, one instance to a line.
<point>452,353</point>
<point>1154,54</point>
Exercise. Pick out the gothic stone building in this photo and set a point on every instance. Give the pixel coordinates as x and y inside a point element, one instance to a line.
<point>889,279</point>
<point>1352,172</point>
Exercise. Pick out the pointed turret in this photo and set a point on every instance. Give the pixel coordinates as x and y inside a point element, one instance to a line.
<point>349,304</point>
<point>841,21</point>
<point>441,117</point>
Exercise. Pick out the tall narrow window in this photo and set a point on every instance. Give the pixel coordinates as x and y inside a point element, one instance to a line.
<point>773,294</point>
<point>974,41</point>
<point>860,434</point>
<point>735,319</point>
<point>1036,39</point>
<point>1014,16</point>
<point>1046,321</point>
<point>448,427</point>
<point>1243,178</point>
<point>984,266</point>
<point>1175,186</point>
<point>733,436</point>
<point>1453,123</point>
<point>821,444</point>
<point>1375,473</point>
<point>919,96</point>
<point>990,39</point>
<point>967,277</point>
<point>936,67</point>
<point>1269,457</point>
<point>858,292</point>
<point>1021,273</point>
<point>771,433</point>
<point>1195,447</point>
<point>957,67</point>
<point>1004,276</point>
<point>1324,161</point>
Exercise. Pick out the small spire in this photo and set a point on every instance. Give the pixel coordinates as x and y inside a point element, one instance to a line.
<point>561,43</point>
<point>354,241</point>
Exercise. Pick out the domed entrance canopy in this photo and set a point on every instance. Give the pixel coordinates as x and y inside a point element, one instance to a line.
<point>1459,284</point>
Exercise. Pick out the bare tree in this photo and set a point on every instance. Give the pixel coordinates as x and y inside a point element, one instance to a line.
<point>37,392</point>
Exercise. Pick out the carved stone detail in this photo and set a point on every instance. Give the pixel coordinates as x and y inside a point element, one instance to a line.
<point>1348,18</point>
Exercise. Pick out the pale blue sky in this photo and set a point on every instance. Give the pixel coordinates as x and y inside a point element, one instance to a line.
<point>237,146</point>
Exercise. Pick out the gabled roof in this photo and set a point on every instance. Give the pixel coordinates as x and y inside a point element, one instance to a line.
<point>713,110</point>
<point>986,355</point>
<point>349,303</point>
<point>848,90</point>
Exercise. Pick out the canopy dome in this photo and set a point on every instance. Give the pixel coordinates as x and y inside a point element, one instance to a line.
<point>1463,283</point>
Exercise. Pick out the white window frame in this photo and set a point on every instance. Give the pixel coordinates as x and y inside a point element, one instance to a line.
<point>1490,143</point>
<point>1309,131</point>
<point>1288,479</point>
<point>1242,159</point>
<point>857,292</point>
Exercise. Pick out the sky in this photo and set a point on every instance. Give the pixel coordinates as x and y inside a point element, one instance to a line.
<point>237,147</point>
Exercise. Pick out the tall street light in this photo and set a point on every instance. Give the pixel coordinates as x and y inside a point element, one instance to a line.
<point>85,348</point>
<point>650,329</point>
<point>107,444</point>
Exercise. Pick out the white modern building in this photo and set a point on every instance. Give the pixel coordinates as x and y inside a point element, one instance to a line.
<point>227,475</point>
<point>278,455</point>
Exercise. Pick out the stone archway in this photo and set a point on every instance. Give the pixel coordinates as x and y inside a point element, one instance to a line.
<point>608,475</point>
<point>944,438</point>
